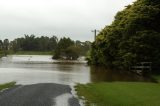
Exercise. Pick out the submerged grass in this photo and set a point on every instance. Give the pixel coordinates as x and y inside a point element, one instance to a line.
<point>7,85</point>
<point>33,53</point>
<point>120,94</point>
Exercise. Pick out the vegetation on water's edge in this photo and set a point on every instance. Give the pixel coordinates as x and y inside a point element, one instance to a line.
<point>65,48</point>
<point>120,94</point>
<point>133,37</point>
<point>71,50</point>
<point>7,85</point>
<point>32,53</point>
<point>1,55</point>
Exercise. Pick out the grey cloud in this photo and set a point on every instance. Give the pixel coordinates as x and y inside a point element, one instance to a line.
<point>55,17</point>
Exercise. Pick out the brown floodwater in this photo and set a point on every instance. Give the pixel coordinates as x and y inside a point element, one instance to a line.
<point>31,69</point>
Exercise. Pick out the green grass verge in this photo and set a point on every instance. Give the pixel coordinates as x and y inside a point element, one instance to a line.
<point>120,94</point>
<point>33,53</point>
<point>7,85</point>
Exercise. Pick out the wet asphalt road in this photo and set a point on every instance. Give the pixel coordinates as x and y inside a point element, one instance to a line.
<point>37,95</point>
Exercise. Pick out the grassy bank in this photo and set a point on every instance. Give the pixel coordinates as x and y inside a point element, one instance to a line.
<point>7,85</point>
<point>32,53</point>
<point>120,94</point>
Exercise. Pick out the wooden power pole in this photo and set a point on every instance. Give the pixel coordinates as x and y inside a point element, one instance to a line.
<point>95,33</point>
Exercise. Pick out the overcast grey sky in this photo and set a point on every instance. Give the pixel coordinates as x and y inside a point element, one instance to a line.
<point>71,18</point>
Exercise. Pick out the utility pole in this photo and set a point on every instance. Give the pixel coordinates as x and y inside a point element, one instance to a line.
<point>95,33</point>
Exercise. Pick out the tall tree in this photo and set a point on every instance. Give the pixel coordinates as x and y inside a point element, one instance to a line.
<point>65,43</point>
<point>1,44</point>
<point>133,37</point>
<point>6,46</point>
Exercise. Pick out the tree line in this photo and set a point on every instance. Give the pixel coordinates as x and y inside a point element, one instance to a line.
<point>4,46</point>
<point>133,37</point>
<point>64,48</point>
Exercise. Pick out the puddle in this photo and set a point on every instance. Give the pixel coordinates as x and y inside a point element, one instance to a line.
<point>63,99</point>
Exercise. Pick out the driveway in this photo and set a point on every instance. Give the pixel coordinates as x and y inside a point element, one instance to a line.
<point>44,94</point>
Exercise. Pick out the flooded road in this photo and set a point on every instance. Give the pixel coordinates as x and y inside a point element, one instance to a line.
<point>42,82</point>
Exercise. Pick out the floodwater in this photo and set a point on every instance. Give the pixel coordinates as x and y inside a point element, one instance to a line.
<point>32,69</point>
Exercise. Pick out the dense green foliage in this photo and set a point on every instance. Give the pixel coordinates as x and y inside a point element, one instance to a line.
<point>63,44</point>
<point>32,43</point>
<point>71,50</point>
<point>65,48</point>
<point>4,47</point>
<point>120,94</point>
<point>133,37</point>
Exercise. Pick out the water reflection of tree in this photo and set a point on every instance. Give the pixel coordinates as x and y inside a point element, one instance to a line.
<point>99,74</point>
<point>65,67</point>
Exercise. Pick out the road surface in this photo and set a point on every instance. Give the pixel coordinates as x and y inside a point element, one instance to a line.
<point>45,94</point>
